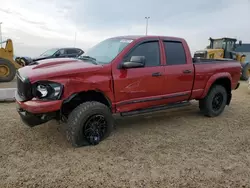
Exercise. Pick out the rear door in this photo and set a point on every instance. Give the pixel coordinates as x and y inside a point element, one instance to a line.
<point>179,71</point>
<point>137,88</point>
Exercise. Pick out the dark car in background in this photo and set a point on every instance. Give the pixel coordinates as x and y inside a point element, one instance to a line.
<point>52,53</point>
<point>60,52</point>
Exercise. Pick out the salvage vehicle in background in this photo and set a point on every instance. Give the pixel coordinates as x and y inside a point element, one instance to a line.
<point>52,53</point>
<point>225,48</point>
<point>8,65</point>
<point>127,75</point>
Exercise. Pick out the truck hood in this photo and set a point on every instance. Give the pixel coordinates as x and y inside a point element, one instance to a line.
<point>53,68</point>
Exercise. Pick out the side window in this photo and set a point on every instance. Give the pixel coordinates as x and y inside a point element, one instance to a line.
<point>71,51</point>
<point>175,53</point>
<point>79,51</point>
<point>151,52</point>
<point>61,51</point>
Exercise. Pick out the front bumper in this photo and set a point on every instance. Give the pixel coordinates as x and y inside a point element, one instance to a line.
<point>36,112</point>
<point>35,119</point>
<point>39,106</point>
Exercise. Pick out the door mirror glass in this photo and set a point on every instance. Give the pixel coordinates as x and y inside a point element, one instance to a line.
<point>134,62</point>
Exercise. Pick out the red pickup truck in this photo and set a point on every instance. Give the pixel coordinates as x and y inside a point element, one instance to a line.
<point>127,75</point>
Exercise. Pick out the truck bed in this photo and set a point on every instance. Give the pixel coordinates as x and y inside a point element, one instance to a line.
<point>206,68</point>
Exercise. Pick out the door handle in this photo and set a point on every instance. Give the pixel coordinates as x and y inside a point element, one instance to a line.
<point>187,71</point>
<point>156,74</point>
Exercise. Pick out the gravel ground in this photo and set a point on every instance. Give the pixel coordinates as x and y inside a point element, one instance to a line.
<point>178,148</point>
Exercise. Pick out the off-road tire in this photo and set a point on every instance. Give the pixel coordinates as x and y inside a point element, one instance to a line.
<point>12,70</point>
<point>79,116</point>
<point>205,104</point>
<point>245,72</point>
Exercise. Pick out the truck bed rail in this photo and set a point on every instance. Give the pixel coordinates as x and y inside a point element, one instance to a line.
<point>203,60</point>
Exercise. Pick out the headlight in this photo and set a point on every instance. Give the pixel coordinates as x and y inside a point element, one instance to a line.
<point>47,90</point>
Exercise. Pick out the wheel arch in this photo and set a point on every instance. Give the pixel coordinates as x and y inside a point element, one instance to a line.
<point>76,99</point>
<point>223,79</point>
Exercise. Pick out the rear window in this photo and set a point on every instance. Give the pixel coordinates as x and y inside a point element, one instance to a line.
<point>175,53</point>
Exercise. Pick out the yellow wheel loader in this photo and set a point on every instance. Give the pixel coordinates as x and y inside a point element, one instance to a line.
<point>224,48</point>
<point>8,65</point>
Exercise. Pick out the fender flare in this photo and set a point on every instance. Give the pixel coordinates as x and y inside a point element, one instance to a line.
<point>213,79</point>
<point>69,98</point>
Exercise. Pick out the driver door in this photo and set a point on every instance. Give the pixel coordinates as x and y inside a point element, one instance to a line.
<point>142,87</point>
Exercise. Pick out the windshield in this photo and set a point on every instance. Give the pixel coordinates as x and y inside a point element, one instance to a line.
<point>49,52</point>
<point>105,51</point>
<point>219,44</point>
<point>230,45</point>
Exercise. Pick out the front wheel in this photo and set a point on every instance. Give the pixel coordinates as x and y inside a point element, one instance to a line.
<point>88,124</point>
<point>215,101</point>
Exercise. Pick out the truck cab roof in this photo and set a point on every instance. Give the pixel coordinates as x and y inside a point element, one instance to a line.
<point>135,37</point>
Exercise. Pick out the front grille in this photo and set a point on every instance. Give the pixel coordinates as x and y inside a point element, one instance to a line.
<point>24,89</point>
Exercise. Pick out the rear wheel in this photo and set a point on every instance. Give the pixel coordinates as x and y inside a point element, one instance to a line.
<point>215,101</point>
<point>246,72</point>
<point>88,124</point>
<point>7,70</point>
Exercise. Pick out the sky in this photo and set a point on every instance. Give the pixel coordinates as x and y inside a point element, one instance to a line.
<point>35,26</point>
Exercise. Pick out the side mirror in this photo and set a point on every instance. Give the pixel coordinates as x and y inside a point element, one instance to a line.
<point>134,62</point>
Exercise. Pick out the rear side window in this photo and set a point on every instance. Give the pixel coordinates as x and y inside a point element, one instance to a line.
<point>62,51</point>
<point>71,51</point>
<point>175,53</point>
<point>151,52</point>
<point>79,51</point>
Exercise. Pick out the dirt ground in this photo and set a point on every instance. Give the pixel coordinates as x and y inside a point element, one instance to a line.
<point>177,148</point>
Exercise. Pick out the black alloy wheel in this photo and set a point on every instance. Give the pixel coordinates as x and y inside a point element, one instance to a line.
<point>95,129</point>
<point>217,101</point>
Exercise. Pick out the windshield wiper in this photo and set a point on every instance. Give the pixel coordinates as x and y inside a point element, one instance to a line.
<point>92,59</point>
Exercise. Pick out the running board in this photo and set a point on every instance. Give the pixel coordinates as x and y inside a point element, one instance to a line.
<point>157,108</point>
